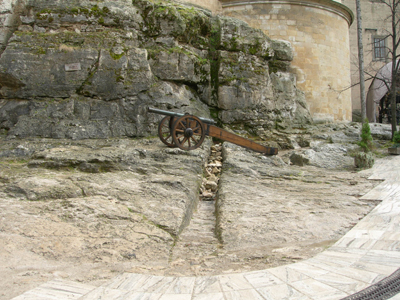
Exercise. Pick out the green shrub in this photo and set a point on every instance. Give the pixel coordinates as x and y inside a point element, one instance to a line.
<point>366,137</point>
<point>364,160</point>
<point>396,137</point>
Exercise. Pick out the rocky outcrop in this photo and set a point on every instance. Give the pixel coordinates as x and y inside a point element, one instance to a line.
<point>107,206</point>
<point>84,69</point>
<point>327,156</point>
<point>286,204</point>
<point>123,170</point>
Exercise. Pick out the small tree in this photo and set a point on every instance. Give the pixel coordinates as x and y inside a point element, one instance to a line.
<point>365,159</point>
<point>366,137</point>
<point>396,138</point>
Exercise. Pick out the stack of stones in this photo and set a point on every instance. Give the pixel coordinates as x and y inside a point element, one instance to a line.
<point>212,172</point>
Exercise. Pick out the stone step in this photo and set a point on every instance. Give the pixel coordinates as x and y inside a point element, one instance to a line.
<point>57,290</point>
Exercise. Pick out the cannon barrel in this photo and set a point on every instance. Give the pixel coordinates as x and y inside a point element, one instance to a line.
<point>188,132</point>
<point>177,115</point>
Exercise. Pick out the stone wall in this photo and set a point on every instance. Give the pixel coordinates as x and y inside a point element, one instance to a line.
<point>212,5</point>
<point>318,32</point>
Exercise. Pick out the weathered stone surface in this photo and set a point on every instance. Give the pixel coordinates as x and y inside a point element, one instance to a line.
<point>88,209</point>
<point>381,131</point>
<point>28,72</point>
<point>141,176</point>
<point>35,66</point>
<point>43,188</point>
<point>328,156</point>
<point>79,118</point>
<point>83,69</point>
<point>175,97</point>
<point>282,49</point>
<point>56,14</point>
<point>186,25</point>
<point>181,65</point>
<point>298,159</point>
<point>247,94</point>
<point>9,20</point>
<point>237,35</point>
<point>253,210</point>
<point>290,103</point>
<point>140,199</point>
<point>118,75</point>
<point>243,82</point>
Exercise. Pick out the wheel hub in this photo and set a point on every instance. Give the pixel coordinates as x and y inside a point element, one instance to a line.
<point>188,132</point>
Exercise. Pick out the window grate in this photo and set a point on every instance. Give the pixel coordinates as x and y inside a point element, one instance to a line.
<point>379,48</point>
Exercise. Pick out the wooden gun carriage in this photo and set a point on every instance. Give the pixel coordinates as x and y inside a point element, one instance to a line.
<point>188,132</point>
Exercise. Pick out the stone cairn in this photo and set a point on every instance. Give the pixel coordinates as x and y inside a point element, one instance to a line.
<point>212,170</point>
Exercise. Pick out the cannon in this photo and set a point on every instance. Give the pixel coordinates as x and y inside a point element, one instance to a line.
<point>188,132</point>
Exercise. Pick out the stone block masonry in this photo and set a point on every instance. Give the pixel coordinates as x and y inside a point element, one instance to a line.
<point>319,35</point>
<point>213,5</point>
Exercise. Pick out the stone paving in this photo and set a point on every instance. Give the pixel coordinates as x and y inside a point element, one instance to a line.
<point>366,254</point>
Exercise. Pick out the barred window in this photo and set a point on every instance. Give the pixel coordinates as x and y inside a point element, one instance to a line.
<point>379,48</point>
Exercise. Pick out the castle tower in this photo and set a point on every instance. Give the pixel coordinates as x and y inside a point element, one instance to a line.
<point>213,5</point>
<point>319,33</point>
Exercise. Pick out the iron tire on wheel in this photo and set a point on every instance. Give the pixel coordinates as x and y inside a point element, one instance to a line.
<point>188,132</point>
<point>164,131</point>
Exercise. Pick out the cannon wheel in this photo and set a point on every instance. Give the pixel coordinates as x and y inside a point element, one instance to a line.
<point>188,132</point>
<point>164,131</point>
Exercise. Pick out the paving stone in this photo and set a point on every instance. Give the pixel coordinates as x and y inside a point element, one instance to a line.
<point>57,289</point>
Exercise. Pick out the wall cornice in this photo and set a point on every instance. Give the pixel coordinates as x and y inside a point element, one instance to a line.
<point>328,5</point>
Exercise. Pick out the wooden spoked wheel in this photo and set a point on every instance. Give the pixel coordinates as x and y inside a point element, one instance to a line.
<point>188,132</point>
<point>164,131</point>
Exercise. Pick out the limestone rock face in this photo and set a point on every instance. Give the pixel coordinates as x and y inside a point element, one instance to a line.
<point>263,201</point>
<point>180,66</point>
<point>243,82</point>
<point>126,170</point>
<point>283,50</point>
<point>116,78</point>
<point>328,156</point>
<point>134,205</point>
<point>236,35</point>
<point>84,69</point>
